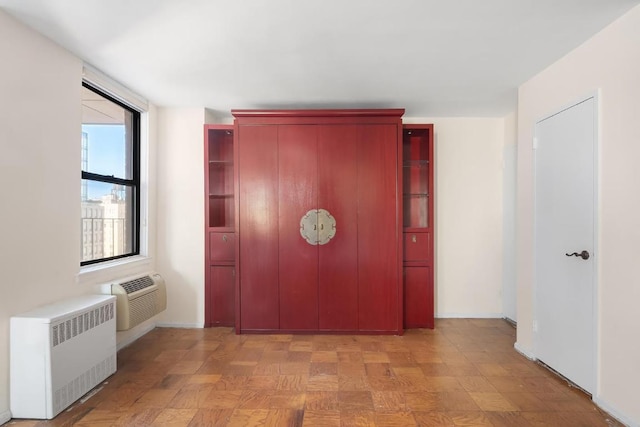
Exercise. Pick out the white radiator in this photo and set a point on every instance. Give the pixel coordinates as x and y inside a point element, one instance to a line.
<point>139,299</point>
<point>59,352</point>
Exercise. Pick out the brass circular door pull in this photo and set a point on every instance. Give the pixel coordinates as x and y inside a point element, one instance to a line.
<point>317,227</point>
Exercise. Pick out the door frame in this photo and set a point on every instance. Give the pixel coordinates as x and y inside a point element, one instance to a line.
<point>596,228</point>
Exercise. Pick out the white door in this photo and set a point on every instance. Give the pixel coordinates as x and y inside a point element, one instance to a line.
<point>565,200</point>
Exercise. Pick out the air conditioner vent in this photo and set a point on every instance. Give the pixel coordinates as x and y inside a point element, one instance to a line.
<point>138,298</point>
<point>137,284</point>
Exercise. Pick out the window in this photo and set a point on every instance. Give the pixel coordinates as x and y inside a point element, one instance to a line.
<point>110,185</point>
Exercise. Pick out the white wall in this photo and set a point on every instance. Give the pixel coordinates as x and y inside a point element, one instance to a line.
<point>610,63</point>
<point>39,172</point>
<point>180,236</point>
<point>469,200</point>
<point>40,120</point>
<point>469,175</point>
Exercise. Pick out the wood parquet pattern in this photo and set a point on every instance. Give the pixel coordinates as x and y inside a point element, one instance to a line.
<point>465,372</point>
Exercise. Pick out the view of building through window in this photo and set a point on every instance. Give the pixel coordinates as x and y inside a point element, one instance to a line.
<point>109,186</point>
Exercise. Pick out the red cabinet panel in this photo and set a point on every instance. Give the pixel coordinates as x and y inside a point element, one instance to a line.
<point>258,227</point>
<point>223,291</point>
<point>378,231</point>
<point>416,247</point>
<point>222,246</point>
<point>337,181</point>
<point>297,194</point>
<point>418,297</point>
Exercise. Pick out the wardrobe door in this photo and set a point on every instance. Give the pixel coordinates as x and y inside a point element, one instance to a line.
<point>258,226</point>
<point>338,189</point>
<point>378,229</point>
<point>222,298</point>
<point>297,194</point>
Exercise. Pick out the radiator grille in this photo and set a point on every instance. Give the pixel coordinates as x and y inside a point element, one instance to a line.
<point>79,386</point>
<point>67,329</point>
<point>59,352</point>
<point>137,284</point>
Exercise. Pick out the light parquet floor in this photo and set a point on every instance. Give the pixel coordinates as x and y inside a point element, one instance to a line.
<point>463,373</point>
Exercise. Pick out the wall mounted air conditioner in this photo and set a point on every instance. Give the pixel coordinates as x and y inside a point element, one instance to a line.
<point>139,298</point>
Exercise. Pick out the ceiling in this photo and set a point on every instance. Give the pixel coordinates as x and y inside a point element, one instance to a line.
<point>432,57</point>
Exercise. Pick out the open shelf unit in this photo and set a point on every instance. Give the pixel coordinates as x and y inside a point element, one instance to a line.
<point>219,226</point>
<point>417,196</point>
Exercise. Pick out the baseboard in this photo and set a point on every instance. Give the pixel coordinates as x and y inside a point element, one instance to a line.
<point>135,335</point>
<point>180,325</point>
<point>5,416</point>
<point>614,413</point>
<point>143,329</point>
<point>511,322</point>
<point>469,316</point>
<point>525,353</point>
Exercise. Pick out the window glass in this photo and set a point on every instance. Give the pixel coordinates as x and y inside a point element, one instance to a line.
<point>110,178</point>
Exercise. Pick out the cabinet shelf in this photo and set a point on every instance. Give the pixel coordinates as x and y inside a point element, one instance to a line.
<point>220,163</point>
<point>227,229</point>
<point>415,163</point>
<point>414,229</point>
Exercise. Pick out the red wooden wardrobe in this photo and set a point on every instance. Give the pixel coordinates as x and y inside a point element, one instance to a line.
<point>308,203</point>
<point>335,175</point>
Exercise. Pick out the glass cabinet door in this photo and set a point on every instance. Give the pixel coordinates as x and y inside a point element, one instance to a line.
<point>416,164</point>
<point>220,159</point>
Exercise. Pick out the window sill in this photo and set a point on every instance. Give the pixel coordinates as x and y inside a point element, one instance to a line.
<point>97,274</point>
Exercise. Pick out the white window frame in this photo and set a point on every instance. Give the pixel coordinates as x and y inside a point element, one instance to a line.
<point>108,270</point>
